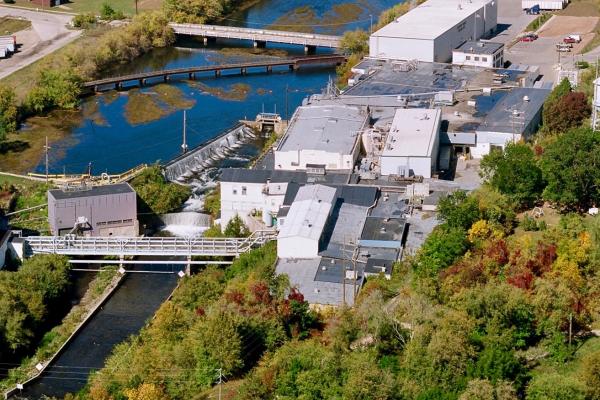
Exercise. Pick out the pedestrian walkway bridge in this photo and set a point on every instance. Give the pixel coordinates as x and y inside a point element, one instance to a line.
<point>146,246</point>
<point>260,37</point>
<point>193,72</point>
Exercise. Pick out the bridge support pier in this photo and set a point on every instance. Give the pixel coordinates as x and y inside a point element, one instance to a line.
<point>243,71</point>
<point>188,267</point>
<point>192,76</point>
<point>269,69</point>
<point>207,40</point>
<point>310,49</point>
<point>166,78</point>
<point>141,81</point>
<point>217,73</point>
<point>293,67</point>
<point>121,259</point>
<point>260,44</point>
<point>119,86</point>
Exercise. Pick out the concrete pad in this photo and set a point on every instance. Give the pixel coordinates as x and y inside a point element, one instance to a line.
<point>561,26</point>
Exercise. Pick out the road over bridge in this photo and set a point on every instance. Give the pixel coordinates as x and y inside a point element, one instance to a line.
<point>190,72</point>
<point>260,37</point>
<point>146,246</point>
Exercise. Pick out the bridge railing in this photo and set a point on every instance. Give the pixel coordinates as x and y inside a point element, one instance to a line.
<point>254,31</point>
<point>167,246</point>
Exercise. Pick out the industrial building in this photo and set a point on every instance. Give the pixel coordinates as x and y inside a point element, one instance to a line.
<point>301,235</point>
<point>432,30</point>
<point>479,54</point>
<point>412,144</point>
<point>109,210</point>
<point>245,192</point>
<point>322,138</point>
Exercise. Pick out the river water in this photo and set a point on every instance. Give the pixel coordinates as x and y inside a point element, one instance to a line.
<point>112,143</point>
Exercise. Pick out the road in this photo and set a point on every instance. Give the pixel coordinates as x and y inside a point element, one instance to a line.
<point>47,34</point>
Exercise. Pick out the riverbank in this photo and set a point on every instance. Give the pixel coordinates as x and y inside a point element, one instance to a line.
<point>54,341</point>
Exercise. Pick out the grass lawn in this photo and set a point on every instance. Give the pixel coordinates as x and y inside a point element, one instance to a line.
<point>8,26</point>
<point>94,6</point>
<point>572,367</point>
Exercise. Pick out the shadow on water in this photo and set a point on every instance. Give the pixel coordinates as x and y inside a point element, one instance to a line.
<point>124,314</point>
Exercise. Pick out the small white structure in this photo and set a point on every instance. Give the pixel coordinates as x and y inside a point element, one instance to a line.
<point>432,30</point>
<point>302,233</point>
<point>412,145</point>
<point>545,4</point>
<point>596,106</point>
<point>244,191</point>
<point>479,54</point>
<point>324,137</point>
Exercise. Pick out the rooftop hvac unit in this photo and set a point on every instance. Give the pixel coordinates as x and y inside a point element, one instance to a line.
<point>445,98</point>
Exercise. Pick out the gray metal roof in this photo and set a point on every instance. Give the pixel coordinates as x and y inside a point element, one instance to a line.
<point>309,212</point>
<point>332,128</point>
<point>431,19</point>
<point>119,188</point>
<point>245,175</point>
<point>383,229</point>
<point>513,112</point>
<point>479,47</point>
<point>378,265</point>
<point>302,273</point>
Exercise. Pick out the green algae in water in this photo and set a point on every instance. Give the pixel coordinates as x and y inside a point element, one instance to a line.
<point>236,92</point>
<point>144,107</point>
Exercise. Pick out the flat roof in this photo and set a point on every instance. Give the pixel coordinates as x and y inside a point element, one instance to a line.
<point>119,188</point>
<point>245,175</point>
<point>431,19</point>
<point>332,128</point>
<point>383,229</point>
<point>413,133</point>
<point>302,274</point>
<point>479,47</point>
<point>514,111</point>
<point>309,212</point>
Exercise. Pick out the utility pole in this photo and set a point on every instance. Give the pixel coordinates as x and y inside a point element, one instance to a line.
<point>220,371</point>
<point>570,327</point>
<point>46,148</point>
<point>136,7</point>
<point>287,90</point>
<point>344,274</point>
<point>371,29</point>
<point>184,146</point>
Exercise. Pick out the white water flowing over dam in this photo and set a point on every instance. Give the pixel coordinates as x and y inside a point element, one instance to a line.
<point>204,156</point>
<point>186,223</point>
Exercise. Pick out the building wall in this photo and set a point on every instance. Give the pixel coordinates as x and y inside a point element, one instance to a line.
<point>477,60</point>
<point>418,165</point>
<point>297,247</point>
<point>237,201</point>
<point>113,213</point>
<point>544,5</point>
<point>488,140</point>
<point>396,48</point>
<point>297,160</point>
<point>480,24</point>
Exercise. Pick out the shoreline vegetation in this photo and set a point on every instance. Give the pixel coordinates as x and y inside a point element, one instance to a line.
<point>98,290</point>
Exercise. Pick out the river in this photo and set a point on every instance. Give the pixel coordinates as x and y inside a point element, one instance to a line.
<point>114,137</point>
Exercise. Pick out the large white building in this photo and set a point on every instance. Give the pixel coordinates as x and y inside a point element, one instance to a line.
<point>322,137</point>
<point>301,234</point>
<point>412,145</point>
<point>432,30</point>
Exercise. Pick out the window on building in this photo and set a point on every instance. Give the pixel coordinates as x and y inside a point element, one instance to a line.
<point>234,192</point>
<point>244,190</point>
<point>484,59</point>
<point>476,58</point>
<point>468,58</point>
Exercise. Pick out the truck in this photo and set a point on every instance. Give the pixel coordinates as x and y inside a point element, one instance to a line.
<point>9,42</point>
<point>572,38</point>
<point>535,10</point>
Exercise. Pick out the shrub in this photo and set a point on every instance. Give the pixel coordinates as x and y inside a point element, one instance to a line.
<point>84,20</point>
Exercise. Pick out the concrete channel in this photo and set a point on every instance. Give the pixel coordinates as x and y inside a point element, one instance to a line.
<point>122,314</point>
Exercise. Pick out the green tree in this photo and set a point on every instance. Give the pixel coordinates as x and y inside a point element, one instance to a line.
<point>196,11</point>
<point>355,42</point>
<point>459,210</point>
<point>590,375</point>
<point>553,386</point>
<point>108,13</point>
<point>157,195</point>
<point>570,166</point>
<point>54,89</point>
<point>515,173</point>
<point>236,228</point>
<point>8,111</point>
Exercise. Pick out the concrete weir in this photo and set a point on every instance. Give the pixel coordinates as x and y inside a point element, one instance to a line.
<point>202,157</point>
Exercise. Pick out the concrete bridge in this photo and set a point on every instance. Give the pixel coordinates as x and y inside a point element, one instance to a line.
<point>260,37</point>
<point>146,246</point>
<point>190,72</point>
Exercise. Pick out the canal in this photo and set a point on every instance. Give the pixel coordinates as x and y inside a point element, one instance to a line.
<point>124,314</point>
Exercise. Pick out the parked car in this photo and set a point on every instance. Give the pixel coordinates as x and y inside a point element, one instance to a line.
<point>572,39</point>
<point>529,37</point>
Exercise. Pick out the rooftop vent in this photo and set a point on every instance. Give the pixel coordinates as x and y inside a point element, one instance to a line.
<point>382,229</point>
<point>480,44</point>
<point>324,268</point>
<point>332,261</point>
<point>526,99</point>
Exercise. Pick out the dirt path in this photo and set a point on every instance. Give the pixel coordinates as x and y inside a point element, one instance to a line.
<point>48,33</point>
